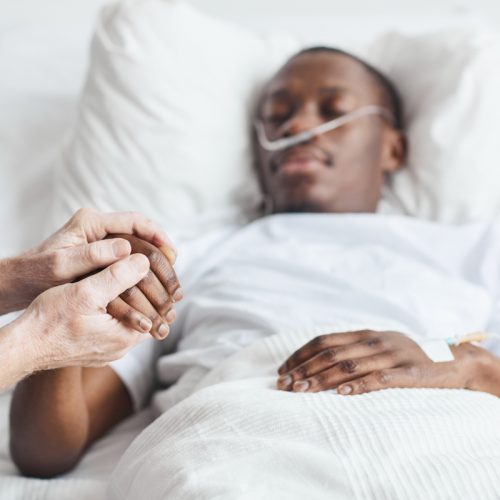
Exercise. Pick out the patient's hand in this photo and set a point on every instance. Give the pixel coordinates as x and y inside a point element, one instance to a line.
<point>365,361</point>
<point>154,296</point>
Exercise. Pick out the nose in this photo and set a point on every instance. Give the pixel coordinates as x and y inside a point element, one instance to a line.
<point>304,119</point>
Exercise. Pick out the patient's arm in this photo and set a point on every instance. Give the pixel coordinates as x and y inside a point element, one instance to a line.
<point>57,414</point>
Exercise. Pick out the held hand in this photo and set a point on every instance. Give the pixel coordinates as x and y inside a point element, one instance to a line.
<point>75,250</point>
<point>365,361</point>
<point>149,305</point>
<point>68,325</point>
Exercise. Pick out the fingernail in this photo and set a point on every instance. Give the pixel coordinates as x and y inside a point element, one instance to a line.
<point>163,330</point>
<point>345,389</point>
<point>145,324</point>
<point>287,380</point>
<point>121,248</point>
<point>141,262</point>
<point>301,386</point>
<point>171,316</point>
<point>178,295</point>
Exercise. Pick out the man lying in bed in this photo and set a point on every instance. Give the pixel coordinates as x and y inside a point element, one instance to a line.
<point>373,276</point>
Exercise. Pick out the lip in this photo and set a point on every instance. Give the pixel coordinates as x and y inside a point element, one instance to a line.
<point>299,160</point>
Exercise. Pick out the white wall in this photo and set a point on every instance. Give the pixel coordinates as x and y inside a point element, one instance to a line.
<point>276,13</point>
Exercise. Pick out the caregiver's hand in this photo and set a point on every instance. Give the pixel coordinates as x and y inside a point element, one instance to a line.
<point>154,296</point>
<point>68,325</point>
<point>365,361</point>
<point>75,250</point>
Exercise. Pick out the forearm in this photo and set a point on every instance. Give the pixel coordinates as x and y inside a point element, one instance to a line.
<point>49,422</point>
<point>18,357</point>
<point>57,414</point>
<point>19,282</point>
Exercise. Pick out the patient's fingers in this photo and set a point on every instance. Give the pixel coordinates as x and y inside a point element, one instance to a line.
<point>137,300</point>
<point>326,359</point>
<point>154,291</point>
<point>344,372</point>
<point>131,318</point>
<point>322,343</point>
<point>160,265</point>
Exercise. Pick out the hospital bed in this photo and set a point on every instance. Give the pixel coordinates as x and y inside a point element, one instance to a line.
<point>43,62</point>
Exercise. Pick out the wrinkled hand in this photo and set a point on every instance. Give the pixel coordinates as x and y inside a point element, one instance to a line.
<point>148,306</point>
<point>68,325</point>
<point>75,250</point>
<point>364,361</point>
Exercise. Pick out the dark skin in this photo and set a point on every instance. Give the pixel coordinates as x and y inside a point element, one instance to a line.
<point>57,414</point>
<point>339,171</point>
<point>343,171</point>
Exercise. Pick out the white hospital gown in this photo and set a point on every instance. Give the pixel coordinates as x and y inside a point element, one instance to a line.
<point>346,271</point>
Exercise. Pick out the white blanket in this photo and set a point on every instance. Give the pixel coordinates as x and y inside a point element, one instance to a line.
<point>87,482</point>
<point>236,437</point>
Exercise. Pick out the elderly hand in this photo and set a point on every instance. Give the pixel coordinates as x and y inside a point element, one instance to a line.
<point>365,361</point>
<point>68,325</point>
<point>75,250</point>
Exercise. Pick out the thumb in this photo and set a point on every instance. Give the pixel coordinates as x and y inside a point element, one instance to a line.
<point>108,284</point>
<point>84,259</point>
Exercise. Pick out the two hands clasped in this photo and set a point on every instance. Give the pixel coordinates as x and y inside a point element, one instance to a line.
<point>364,361</point>
<point>129,288</point>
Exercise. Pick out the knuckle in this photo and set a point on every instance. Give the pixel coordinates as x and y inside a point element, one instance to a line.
<point>81,290</point>
<point>129,293</point>
<point>319,341</point>
<point>319,380</point>
<point>83,213</point>
<point>299,373</point>
<point>329,355</point>
<point>375,343</point>
<point>348,366</point>
<point>413,371</point>
<point>116,271</point>
<point>383,377</point>
<point>363,385</point>
<point>55,264</point>
<point>94,253</point>
<point>155,257</point>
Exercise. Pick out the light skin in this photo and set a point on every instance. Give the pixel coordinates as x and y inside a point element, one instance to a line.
<point>341,171</point>
<point>81,247</point>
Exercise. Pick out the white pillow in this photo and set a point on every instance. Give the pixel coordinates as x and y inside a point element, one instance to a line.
<point>449,83</point>
<point>163,123</point>
<point>164,118</point>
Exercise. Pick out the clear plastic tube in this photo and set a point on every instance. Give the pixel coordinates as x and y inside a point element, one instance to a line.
<point>306,135</point>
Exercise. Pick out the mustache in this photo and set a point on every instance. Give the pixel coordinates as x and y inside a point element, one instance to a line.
<point>323,155</point>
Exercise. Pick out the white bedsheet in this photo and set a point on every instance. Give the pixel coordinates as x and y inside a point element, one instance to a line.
<point>237,437</point>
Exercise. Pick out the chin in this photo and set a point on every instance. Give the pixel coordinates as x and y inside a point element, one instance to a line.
<point>302,206</point>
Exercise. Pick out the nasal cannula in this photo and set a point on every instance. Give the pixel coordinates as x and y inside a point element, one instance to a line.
<point>306,135</point>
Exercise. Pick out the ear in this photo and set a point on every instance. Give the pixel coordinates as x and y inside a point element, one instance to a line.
<point>394,150</point>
